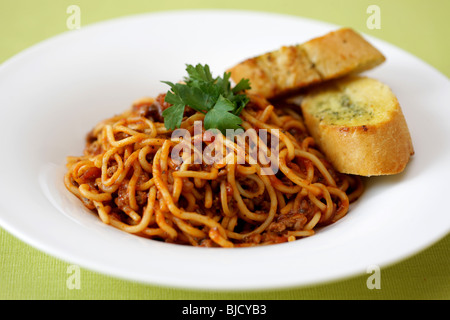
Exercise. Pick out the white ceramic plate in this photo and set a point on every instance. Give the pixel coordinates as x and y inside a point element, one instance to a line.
<point>52,94</point>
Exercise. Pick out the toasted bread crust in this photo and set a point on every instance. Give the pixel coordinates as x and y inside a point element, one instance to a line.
<point>291,68</point>
<point>342,52</point>
<point>378,147</point>
<point>276,73</point>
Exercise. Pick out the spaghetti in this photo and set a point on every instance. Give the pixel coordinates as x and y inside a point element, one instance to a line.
<point>129,177</point>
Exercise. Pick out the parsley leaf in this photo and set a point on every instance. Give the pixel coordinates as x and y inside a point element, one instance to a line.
<point>173,116</point>
<point>199,73</point>
<point>214,97</point>
<point>220,118</point>
<point>242,85</point>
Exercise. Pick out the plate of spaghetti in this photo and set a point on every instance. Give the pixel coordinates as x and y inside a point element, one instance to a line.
<point>136,159</point>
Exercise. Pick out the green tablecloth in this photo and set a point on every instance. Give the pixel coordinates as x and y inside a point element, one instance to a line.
<point>419,26</point>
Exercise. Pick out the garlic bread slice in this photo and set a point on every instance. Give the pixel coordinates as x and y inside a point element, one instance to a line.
<point>358,124</point>
<point>290,68</point>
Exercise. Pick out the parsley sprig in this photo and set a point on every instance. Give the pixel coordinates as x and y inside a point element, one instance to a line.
<point>214,97</point>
